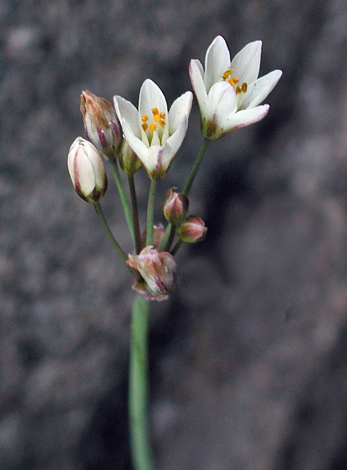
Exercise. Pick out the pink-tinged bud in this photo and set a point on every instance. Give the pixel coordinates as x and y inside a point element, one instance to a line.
<point>128,159</point>
<point>101,124</point>
<point>192,230</point>
<point>157,270</point>
<point>175,206</point>
<point>158,235</point>
<point>87,170</point>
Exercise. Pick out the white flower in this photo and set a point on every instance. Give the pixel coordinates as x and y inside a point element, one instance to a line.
<point>153,133</point>
<point>229,93</point>
<point>87,170</point>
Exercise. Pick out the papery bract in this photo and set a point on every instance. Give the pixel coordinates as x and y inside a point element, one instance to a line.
<point>154,134</point>
<point>229,93</point>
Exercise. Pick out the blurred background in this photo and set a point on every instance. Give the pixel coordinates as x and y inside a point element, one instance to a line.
<point>248,359</point>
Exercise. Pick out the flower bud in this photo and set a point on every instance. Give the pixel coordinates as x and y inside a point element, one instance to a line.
<point>101,124</point>
<point>128,159</point>
<point>192,230</point>
<point>157,270</point>
<point>87,170</point>
<point>175,206</point>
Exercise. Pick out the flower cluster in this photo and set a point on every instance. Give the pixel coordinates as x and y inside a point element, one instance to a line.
<point>229,94</point>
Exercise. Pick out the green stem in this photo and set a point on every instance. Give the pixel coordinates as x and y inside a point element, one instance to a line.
<point>170,238</point>
<point>136,223</point>
<point>123,198</point>
<point>108,232</point>
<point>150,213</point>
<point>176,247</point>
<point>138,386</point>
<point>195,168</point>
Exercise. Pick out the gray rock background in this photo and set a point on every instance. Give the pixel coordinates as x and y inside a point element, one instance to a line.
<point>248,360</point>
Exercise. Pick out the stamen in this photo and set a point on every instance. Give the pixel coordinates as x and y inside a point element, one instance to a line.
<point>152,127</point>
<point>144,126</point>
<point>227,74</point>
<point>144,118</point>
<point>233,81</point>
<point>242,88</point>
<point>162,123</point>
<point>162,115</point>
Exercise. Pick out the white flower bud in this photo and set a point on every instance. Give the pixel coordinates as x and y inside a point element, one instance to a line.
<point>87,170</point>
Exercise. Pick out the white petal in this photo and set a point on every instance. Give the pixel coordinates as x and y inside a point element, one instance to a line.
<point>244,118</point>
<point>222,101</point>
<point>197,81</point>
<point>125,109</point>
<point>151,97</point>
<point>261,88</point>
<point>84,173</point>
<point>179,109</point>
<point>246,63</point>
<point>175,140</point>
<point>217,61</point>
<point>136,144</point>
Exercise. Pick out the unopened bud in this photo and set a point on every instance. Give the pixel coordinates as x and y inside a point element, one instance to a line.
<point>87,170</point>
<point>192,230</point>
<point>101,124</point>
<point>128,159</point>
<point>175,206</point>
<point>157,270</point>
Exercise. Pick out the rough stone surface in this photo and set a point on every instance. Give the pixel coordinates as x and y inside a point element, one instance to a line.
<point>248,359</point>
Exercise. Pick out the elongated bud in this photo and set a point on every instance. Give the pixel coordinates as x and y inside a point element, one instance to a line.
<point>157,270</point>
<point>101,124</point>
<point>87,170</point>
<point>175,206</point>
<point>128,159</point>
<point>192,230</point>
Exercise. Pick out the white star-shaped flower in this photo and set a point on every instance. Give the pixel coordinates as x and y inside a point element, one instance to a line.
<point>153,133</point>
<point>229,92</point>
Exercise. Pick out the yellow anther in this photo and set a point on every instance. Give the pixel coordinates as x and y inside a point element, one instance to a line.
<point>233,81</point>
<point>162,115</point>
<point>162,123</point>
<point>155,111</point>
<point>227,74</point>
<point>242,88</point>
<point>152,127</point>
<point>156,118</point>
<point>144,126</point>
<point>144,118</point>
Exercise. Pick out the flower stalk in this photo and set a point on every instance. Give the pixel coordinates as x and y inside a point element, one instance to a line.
<point>138,386</point>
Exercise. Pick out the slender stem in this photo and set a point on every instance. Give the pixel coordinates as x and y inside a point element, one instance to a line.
<point>150,213</point>
<point>136,223</point>
<point>195,168</point>
<point>176,247</point>
<point>138,386</point>
<point>108,232</point>
<point>124,198</point>
<point>170,238</point>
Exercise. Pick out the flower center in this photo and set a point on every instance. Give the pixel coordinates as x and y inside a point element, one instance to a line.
<point>233,81</point>
<point>158,118</point>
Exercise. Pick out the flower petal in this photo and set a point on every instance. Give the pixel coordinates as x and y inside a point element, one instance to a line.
<point>151,97</point>
<point>260,89</point>
<point>196,77</point>
<point>244,118</point>
<point>179,109</point>
<point>222,100</point>
<point>134,142</point>
<point>126,110</point>
<point>175,141</point>
<point>246,63</point>
<point>217,61</point>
